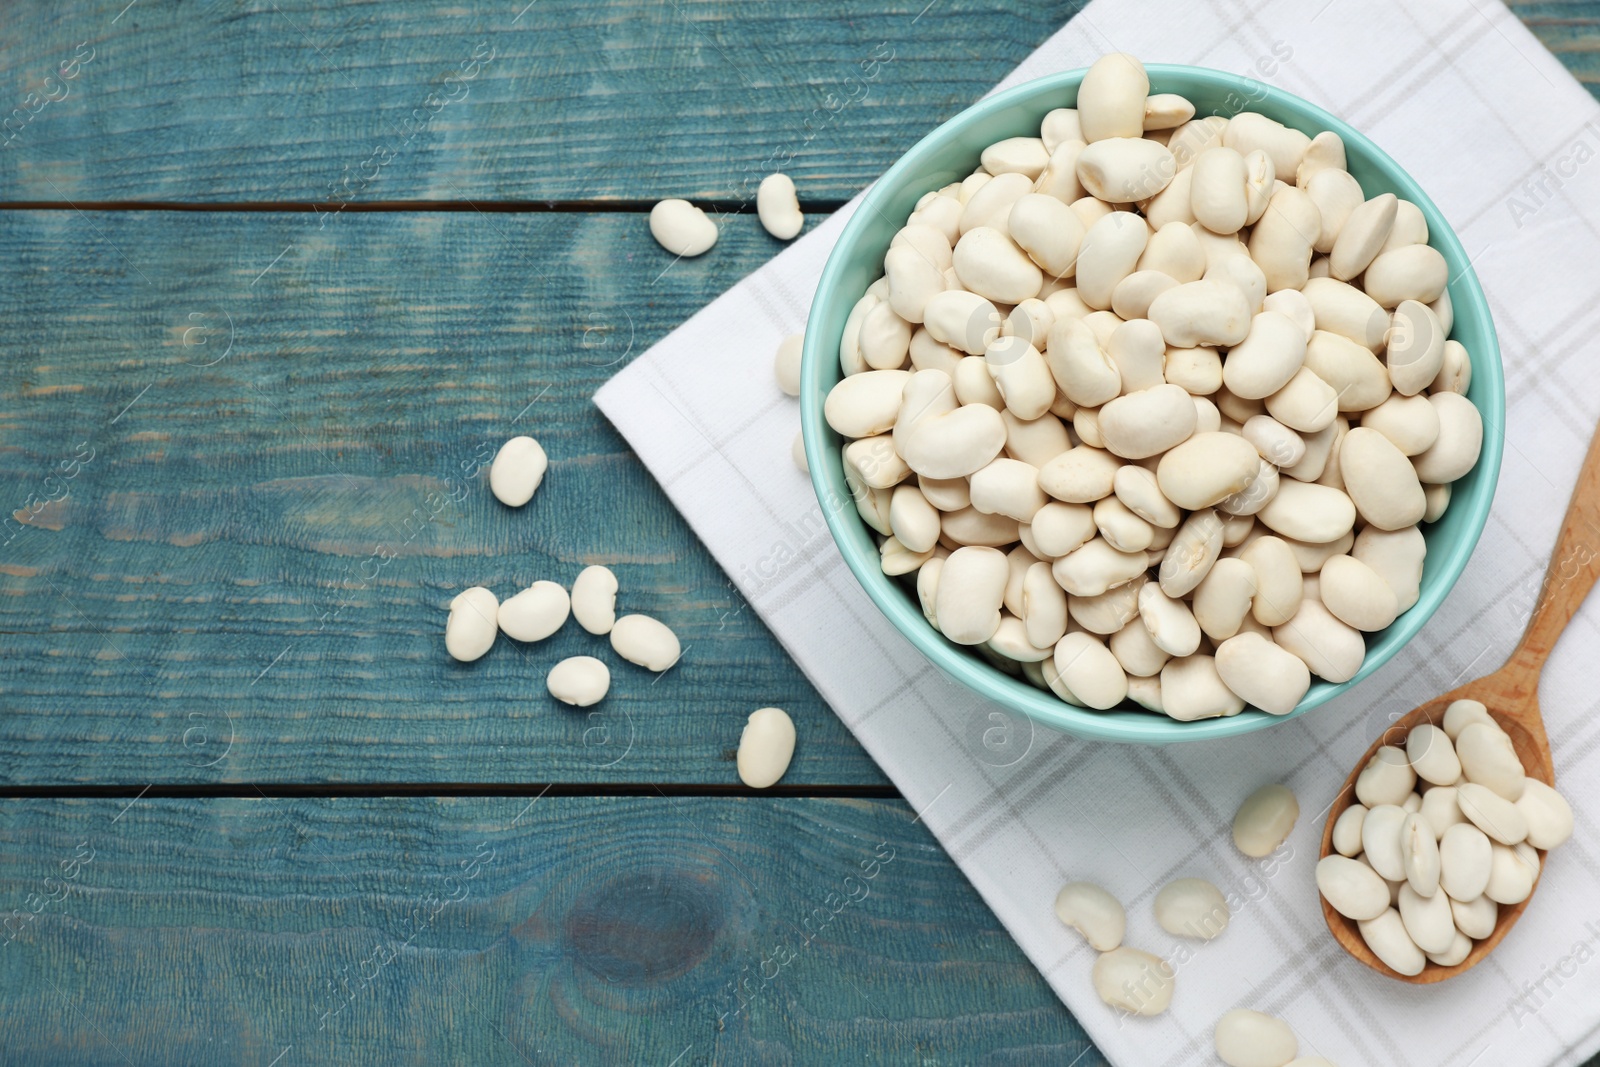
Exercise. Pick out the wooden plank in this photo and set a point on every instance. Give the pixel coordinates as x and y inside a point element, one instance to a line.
<point>305,101</point>
<point>577,930</point>
<point>246,579</point>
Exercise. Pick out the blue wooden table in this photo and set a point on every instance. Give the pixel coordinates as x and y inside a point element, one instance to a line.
<point>279,277</point>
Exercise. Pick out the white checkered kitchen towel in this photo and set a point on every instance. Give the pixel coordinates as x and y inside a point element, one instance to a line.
<point>1504,140</point>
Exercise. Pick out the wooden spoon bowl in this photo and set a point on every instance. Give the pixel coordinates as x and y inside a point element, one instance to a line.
<point>1522,723</point>
<point>1512,696</point>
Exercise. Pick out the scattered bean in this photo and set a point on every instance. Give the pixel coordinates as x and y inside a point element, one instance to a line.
<point>472,626</point>
<point>1093,912</point>
<point>645,641</point>
<point>517,470</point>
<point>681,228</point>
<point>765,747</point>
<point>778,207</point>
<point>580,681</point>
<point>1264,820</point>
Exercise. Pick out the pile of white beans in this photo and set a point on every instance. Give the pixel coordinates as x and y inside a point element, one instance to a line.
<point>478,617</point>
<point>1443,832</point>
<point>1153,406</point>
<point>1141,983</point>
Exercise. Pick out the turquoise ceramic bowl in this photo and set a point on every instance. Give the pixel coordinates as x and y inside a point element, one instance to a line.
<point>950,153</point>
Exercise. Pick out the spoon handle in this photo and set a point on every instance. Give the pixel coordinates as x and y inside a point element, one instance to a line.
<point>1573,568</point>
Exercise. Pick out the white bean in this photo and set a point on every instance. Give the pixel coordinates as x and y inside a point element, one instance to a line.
<point>971,590</point>
<point>1475,918</point>
<point>517,470</point>
<point>1082,369</point>
<point>1111,249</point>
<point>1222,600</point>
<point>961,319</point>
<point>594,599</point>
<point>1147,422</point>
<point>1427,919</point>
<point>1191,554</point>
<point>1410,272</point>
<point>1354,373</point>
<point>581,681</point>
<point>1170,622</point>
<point>766,745</point>
<point>956,444</point>
<point>1492,813</point>
<point>1465,858</point>
<point>1248,132</point>
<point>1397,556</point>
<point>1432,755</point>
<point>1090,671</point>
<point>913,281</point>
<point>778,207</point>
<point>866,404</point>
<point>1331,649</point>
<point>1511,874</point>
<point>1206,469</point>
<point>1419,854</point>
<point>1246,1038</point>
<point>1547,813</point>
<point>1352,887</point>
<point>1309,512</point>
<point>1362,236</point>
<point>1463,713</point>
<point>1281,242</point>
<point>1191,907</point>
<point>1489,759</point>
<point>1268,677</point>
<point>1387,938</point>
<point>1202,313</point>
<point>1347,830</point>
<point>1138,351</point>
<point>1306,403</point>
<point>1439,807</point>
<point>990,264</point>
<point>472,626</point>
<point>1059,126</point>
<point>991,205</point>
<point>535,613</point>
<point>1460,439</point>
<point>681,228</point>
<point>1094,913</point>
<point>1139,655</point>
<point>1016,155</point>
<point>1409,422</point>
<point>645,641</point>
<point>1219,198</point>
<point>1192,689</point>
<point>1264,820</point>
<point>1112,97</point>
<point>1134,981</point>
<point>1122,170</point>
<point>1166,111</point>
<point>1049,232</point>
<point>1340,308</point>
<point>1356,594</point>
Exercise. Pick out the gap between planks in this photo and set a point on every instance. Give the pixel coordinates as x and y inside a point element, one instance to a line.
<point>278,790</point>
<point>510,207</point>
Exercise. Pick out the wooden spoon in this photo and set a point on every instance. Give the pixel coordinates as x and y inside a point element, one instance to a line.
<point>1512,697</point>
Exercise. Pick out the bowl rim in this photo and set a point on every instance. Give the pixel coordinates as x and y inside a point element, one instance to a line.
<point>988,682</point>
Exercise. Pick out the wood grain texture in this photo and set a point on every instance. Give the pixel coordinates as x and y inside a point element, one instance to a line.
<point>489,932</point>
<point>239,100</point>
<point>289,100</point>
<point>260,551</point>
